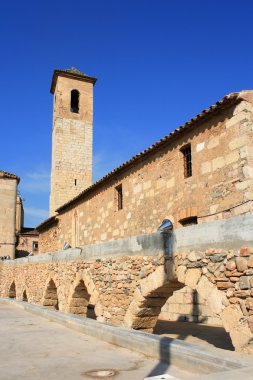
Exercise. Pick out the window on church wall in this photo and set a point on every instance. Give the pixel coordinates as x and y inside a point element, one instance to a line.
<point>119,197</point>
<point>74,101</point>
<point>35,246</point>
<point>187,154</point>
<point>75,229</point>
<point>189,221</point>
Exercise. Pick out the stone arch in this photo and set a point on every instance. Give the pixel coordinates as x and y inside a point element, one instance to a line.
<point>12,290</point>
<point>153,292</point>
<point>83,297</point>
<point>149,298</point>
<point>234,320</point>
<point>50,298</point>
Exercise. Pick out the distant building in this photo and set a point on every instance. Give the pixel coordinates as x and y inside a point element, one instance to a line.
<point>15,239</point>
<point>8,199</point>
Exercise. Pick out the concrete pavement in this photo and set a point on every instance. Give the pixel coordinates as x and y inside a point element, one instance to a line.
<point>32,347</point>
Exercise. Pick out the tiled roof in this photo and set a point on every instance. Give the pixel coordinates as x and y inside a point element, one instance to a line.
<point>73,70</point>
<point>70,73</point>
<point>9,175</point>
<point>47,222</point>
<point>28,231</point>
<point>224,102</point>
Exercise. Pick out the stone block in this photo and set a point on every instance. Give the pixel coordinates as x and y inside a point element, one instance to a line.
<point>206,167</point>
<point>237,142</point>
<point>192,256</point>
<point>249,303</point>
<point>246,251</point>
<point>247,171</point>
<point>204,287</point>
<point>181,271</point>
<point>231,265</point>
<point>232,157</point>
<point>250,322</point>
<point>223,285</point>
<point>200,147</point>
<point>213,142</point>
<point>244,282</point>
<point>241,264</point>
<point>217,258</point>
<point>231,317</point>
<point>242,293</point>
<point>192,277</point>
<point>218,163</point>
<point>170,183</point>
<point>215,301</point>
<point>234,300</point>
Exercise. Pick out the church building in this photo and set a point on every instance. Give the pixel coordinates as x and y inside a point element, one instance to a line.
<point>200,172</point>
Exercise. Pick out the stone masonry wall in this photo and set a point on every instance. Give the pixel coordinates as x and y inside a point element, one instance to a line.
<point>110,283</point>
<point>155,188</point>
<point>130,290</point>
<point>225,280</point>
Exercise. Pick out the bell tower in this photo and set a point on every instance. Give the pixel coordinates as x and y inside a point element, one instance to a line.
<point>71,170</point>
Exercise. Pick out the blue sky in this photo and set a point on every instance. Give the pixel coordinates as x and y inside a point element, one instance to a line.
<point>158,63</point>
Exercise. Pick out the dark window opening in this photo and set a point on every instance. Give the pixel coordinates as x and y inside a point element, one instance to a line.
<point>119,195</point>
<point>91,311</point>
<point>189,221</point>
<point>187,160</point>
<point>75,182</point>
<point>35,245</point>
<point>74,104</point>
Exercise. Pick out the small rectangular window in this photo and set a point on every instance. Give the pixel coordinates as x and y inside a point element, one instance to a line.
<point>119,197</point>
<point>187,153</point>
<point>189,221</point>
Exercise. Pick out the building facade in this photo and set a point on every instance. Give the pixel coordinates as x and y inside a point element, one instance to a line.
<point>8,200</point>
<point>15,240</point>
<point>202,171</point>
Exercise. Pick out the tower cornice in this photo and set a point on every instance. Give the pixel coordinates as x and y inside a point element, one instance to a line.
<point>70,73</point>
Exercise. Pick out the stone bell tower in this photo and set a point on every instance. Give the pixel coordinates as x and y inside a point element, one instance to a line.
<point>72,134</point>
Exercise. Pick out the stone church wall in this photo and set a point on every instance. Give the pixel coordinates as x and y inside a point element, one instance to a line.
<point>155,188</point>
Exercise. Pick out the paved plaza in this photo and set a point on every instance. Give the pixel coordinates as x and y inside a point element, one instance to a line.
<point>36,348</point>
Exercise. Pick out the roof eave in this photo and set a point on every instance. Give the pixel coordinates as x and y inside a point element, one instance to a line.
<point>46,223</point>
<point>11,176</point>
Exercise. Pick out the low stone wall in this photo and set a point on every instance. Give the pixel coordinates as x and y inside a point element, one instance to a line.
<point>104,275</point>
<point>109,283</point>
<point>129,281</point>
